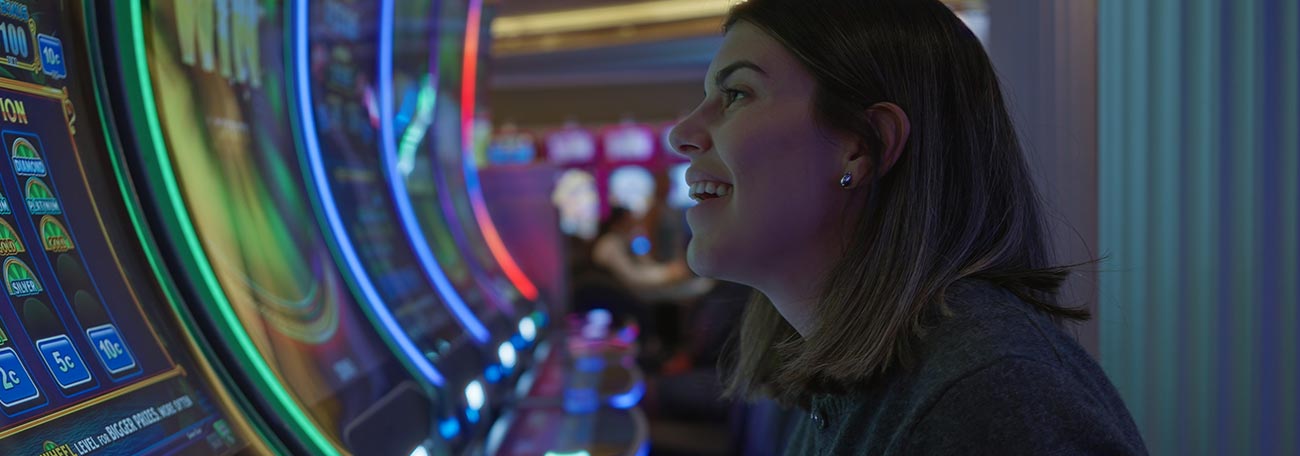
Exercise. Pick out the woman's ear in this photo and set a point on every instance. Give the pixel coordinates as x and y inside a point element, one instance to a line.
<point>892,125</point>
<point>894,128</point>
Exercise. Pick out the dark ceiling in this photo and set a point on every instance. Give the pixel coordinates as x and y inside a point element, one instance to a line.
<point>602,58</point>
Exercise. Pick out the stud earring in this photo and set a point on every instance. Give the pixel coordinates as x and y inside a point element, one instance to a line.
<point>846,180</point>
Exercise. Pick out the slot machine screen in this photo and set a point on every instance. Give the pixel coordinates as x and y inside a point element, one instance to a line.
<point>629,150</point>
<point>224,164</point>
<point>578,201</point>
<point>93,356</point>
<point>347,112</point>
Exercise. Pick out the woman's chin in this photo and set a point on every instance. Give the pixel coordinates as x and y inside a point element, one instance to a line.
<point>704,261</point>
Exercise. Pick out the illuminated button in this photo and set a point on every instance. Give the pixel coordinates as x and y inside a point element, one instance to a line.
<point>506,353</point>
<point>63,361</point>
<point>528,329</point>
<point>16,386</point>
<point>474,395</point>
<point>111,348</point>
<point>51,50</point>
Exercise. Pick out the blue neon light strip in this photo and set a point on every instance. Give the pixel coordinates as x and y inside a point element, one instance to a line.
<point>397,184</point>
<point>312,145</point>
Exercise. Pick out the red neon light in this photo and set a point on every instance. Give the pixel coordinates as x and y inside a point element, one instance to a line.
<point>469,89</point>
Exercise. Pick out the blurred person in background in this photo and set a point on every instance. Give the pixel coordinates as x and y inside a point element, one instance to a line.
<point>615,278</point>
<point>612,251</point>
<point>855,163</point>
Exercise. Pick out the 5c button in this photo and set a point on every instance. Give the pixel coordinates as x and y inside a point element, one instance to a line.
<point>63,361</point>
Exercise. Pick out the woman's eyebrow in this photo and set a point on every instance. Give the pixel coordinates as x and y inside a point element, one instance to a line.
<point>722,75</point>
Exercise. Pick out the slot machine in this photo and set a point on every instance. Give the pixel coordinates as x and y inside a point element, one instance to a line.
<point>347,56</point>
<point>511,146</point>
<point>627,164</point>
<point>97,351</point>
<point>445,167</point>
<point>206,99</point>
<point>577,194</point>
<point>433,162</point>
<point>452,157</point>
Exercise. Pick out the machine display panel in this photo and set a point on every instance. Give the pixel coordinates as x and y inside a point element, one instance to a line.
<point>217,77</point>
<point>92,356</point>
<point>348,156</point>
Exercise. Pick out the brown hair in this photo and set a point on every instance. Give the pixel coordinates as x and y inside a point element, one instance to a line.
<point>958,204</point>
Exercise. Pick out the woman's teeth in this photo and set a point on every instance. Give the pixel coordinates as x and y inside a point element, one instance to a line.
<point>701,191</point>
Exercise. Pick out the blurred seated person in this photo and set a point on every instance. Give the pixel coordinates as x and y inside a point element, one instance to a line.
<point>612,277</point>
<point>655,282</point>
<point>612,251</point>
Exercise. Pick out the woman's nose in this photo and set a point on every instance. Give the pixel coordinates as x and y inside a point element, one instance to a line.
<point>687,138</point>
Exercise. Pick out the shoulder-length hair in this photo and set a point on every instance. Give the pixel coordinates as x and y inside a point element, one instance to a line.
<point>959,203</point>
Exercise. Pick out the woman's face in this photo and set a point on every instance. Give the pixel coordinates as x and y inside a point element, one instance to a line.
<point>764,173</point>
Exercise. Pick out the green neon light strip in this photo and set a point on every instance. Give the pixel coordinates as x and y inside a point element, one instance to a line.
<point>229,323</point>
<point>418,127</point>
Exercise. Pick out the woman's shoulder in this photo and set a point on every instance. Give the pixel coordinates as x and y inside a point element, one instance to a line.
<point>980,322</point>
<point>993,365</point>
<point>991,375</point>
<point>983,326</point>
<point>1021,406</point>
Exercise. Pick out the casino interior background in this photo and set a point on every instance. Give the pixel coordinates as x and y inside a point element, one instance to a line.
<point>362,226</point>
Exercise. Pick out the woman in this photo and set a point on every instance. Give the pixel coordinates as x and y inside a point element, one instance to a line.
<point>854,162</point>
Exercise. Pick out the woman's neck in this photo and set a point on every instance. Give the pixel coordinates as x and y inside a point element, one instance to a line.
<point>798,308</point>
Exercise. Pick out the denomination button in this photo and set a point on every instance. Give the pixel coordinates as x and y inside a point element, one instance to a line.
<point>16,386</point>
<point>110,348</point>
<point>51,50</point>
<point>63,361</point>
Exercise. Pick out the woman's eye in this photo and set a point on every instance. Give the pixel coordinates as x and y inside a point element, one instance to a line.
<point>730,96</point>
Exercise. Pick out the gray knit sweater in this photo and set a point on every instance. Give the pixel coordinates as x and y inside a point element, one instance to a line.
<point>996,377</point>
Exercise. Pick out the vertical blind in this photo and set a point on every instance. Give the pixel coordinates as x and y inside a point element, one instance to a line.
<point>1198,206</point>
